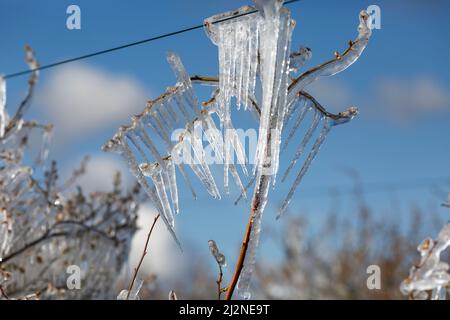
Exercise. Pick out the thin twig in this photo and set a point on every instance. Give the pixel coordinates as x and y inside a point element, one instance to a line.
<point>44,237</point>
<point>219,283</point>
<point>136,270</point>
<point>242,254</point>
<point>23,107</point>
<point>3,293</point>
<point>255,208</point>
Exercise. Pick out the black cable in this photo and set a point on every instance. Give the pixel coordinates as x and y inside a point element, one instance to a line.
<point>132,44</point>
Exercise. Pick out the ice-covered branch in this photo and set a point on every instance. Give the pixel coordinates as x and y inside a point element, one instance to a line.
<point>339,63</point>
<point>430,274</point>
<point>255,69</point>
<point>24,105</point>
<point>221,263</point>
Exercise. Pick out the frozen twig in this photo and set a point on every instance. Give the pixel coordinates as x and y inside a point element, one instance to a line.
<point>430,274</point>
<point>141,260</point>
<point>24,105</point>
<point>221,262</point>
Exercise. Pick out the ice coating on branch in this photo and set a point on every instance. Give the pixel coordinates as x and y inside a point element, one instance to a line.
<point>220,258</point>
<point>346,116</point>
<point>172,295</point>
<point>134,293</point>
<point>430,273</point>
<point>340,63</point>
<point>261,191</point>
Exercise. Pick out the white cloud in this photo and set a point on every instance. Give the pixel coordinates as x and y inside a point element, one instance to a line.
<point>332,93</point>
<point>100,173</point>
<point>163,258</point>
<point>80,99</point>
<point>409,99</point>
<point>397,99</point>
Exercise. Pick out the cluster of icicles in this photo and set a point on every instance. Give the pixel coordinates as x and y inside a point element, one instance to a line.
<point>253,45</point>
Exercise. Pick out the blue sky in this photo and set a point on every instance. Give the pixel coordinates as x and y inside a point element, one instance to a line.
<point>400,84</point>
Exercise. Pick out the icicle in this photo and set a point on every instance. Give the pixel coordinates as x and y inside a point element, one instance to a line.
<point>3,114</point>
<point>45,146</point>
<point>182,77</point>
<point>439,293</point>
<point>253,56</point>
<point>136,170</point>
<point>237,40</point>
<point>303,111</point>
<point>162,119</point>
<point>186,179</point>
<point>268,52</point>
<point>140,132</point>
<point>165,114</point>
<point>341,62</point>
<point>182,107</point>
<point>275,37</point>
<point>249,184</point>
<point>182,151</point>
<point>213,135</point>
<point>312,154</point>
<point>291,106</point>
<point>116,144</point>
<point>171,111</point>
<point>130,134</point>
<point>238,181</point>
<point>301,147</point>
<point>154,172</point>
<point>281,87</point>
<point>215,139</point>
<point>239,149</point>
<point>161,129</point>
<point>197,146</point>
<point>171,174</point>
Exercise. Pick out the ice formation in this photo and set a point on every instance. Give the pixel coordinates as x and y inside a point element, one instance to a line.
<point>43,228</point>
<point>430,274</point>
<point>256,70</point>
<point>218,256</point>
<point>133,294</point>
